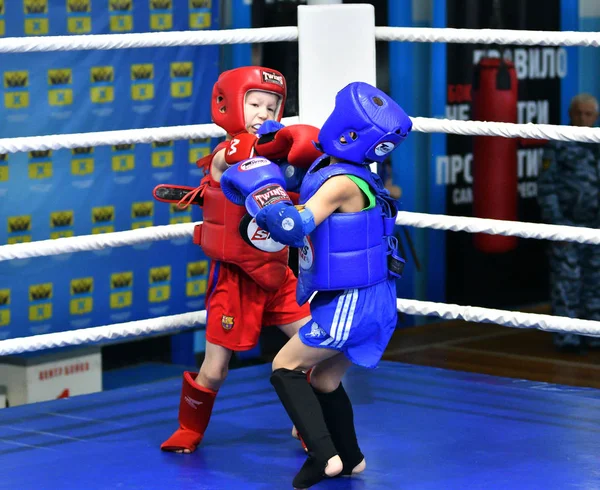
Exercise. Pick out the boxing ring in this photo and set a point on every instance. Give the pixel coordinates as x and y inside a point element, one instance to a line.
<point>433,429</point>
<point>418,427</point>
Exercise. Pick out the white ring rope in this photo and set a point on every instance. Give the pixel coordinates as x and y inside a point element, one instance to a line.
<point>46,248</point>
<point>127,136</point>
<point>185,320</point>
<point>290,33</point>
<point>507,130</point>
<point>174,133</point>
<point>147,40</point>
<point>95,334</point>
<point>499,227</point>
<point>517,319</point>
<point>487,36</point>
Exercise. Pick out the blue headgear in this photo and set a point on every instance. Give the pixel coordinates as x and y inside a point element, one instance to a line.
<point>365,125</point>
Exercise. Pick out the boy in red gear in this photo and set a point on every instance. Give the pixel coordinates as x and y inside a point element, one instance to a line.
<point>250,283</point>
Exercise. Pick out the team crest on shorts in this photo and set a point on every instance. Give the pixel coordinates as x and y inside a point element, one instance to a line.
<point>227,322</point>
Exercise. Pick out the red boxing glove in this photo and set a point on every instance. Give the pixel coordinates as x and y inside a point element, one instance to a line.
<point>293,144</point>
<point>295,197</point>
<point>240,148</point>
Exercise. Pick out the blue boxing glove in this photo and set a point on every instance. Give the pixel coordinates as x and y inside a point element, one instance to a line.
<point>255,183</point>
<point>287,224</point>
<point>293,176</point>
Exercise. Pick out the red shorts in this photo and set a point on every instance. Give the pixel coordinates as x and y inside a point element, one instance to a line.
<point>237,308</point>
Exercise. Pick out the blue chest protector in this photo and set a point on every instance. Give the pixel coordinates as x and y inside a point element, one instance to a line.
<point>347,250</point>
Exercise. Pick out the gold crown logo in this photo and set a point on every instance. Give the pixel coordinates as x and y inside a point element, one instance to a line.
<point>160,274</point>
<point>78,6</point>
<point>61,219</point>
<point>14,79</point>
<point>102,215</point>
<point>142,209</point>
<point>103,74</point>
<point>200,4</point>
<point>84,150</point>
<point>4,297</point>
<point>197,269</point>
<point>19,223</point>
<point>123,147</point>
<point>36,6</point>
<point>59,77</point>
<point>82,286</point>
<point>176,209</point>
<point>121,280</point>
<point>3,157</point>
<point>40,153</point>
<point>142,72</point>
<point>160,4</point>
<point>40,291</point>
<point>121,5</point>
<point>162,144</point>
<point>180,70</point>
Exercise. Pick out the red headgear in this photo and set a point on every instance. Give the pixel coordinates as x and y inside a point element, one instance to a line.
<point>229,95</point>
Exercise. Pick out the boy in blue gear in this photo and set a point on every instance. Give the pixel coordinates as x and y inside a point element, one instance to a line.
<point>344,228</point>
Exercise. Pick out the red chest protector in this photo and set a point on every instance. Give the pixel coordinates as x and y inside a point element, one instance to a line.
<point>220,239</point>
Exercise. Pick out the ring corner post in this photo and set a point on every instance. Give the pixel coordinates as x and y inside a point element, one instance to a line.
<point>331,55</point>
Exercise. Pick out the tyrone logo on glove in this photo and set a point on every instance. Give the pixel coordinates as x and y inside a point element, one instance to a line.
<point>253,163</point>
<point>270,194</point>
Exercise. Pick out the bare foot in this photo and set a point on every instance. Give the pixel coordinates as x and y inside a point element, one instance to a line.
<point>334,466</point>
<point>360,467</point>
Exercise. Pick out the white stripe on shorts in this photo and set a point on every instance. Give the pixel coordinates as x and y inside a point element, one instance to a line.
<point>348,325</point>
<point>342,319</point>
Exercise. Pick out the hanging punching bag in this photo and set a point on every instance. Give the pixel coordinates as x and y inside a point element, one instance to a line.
<point>494,93</point>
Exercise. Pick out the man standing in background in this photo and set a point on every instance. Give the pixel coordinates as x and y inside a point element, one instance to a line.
<point>569,194</point>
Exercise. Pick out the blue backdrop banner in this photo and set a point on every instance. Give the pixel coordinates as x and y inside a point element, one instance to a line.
<point>53,194</point>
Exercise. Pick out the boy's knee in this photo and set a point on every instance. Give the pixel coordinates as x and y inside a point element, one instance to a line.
<point>278,363</point>
<point>283,362</point>
<point>212,375</point>
<point>323,382</point>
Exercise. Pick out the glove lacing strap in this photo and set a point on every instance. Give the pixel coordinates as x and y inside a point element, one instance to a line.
<point>186,200</point>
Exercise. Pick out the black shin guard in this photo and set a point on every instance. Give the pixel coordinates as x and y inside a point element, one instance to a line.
<point>339,417</point>
<point>304,409</point>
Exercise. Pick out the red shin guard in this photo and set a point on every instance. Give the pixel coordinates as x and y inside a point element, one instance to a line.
<point>195,407</point>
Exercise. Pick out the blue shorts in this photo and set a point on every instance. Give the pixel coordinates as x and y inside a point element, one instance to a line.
<point>357,322</point>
